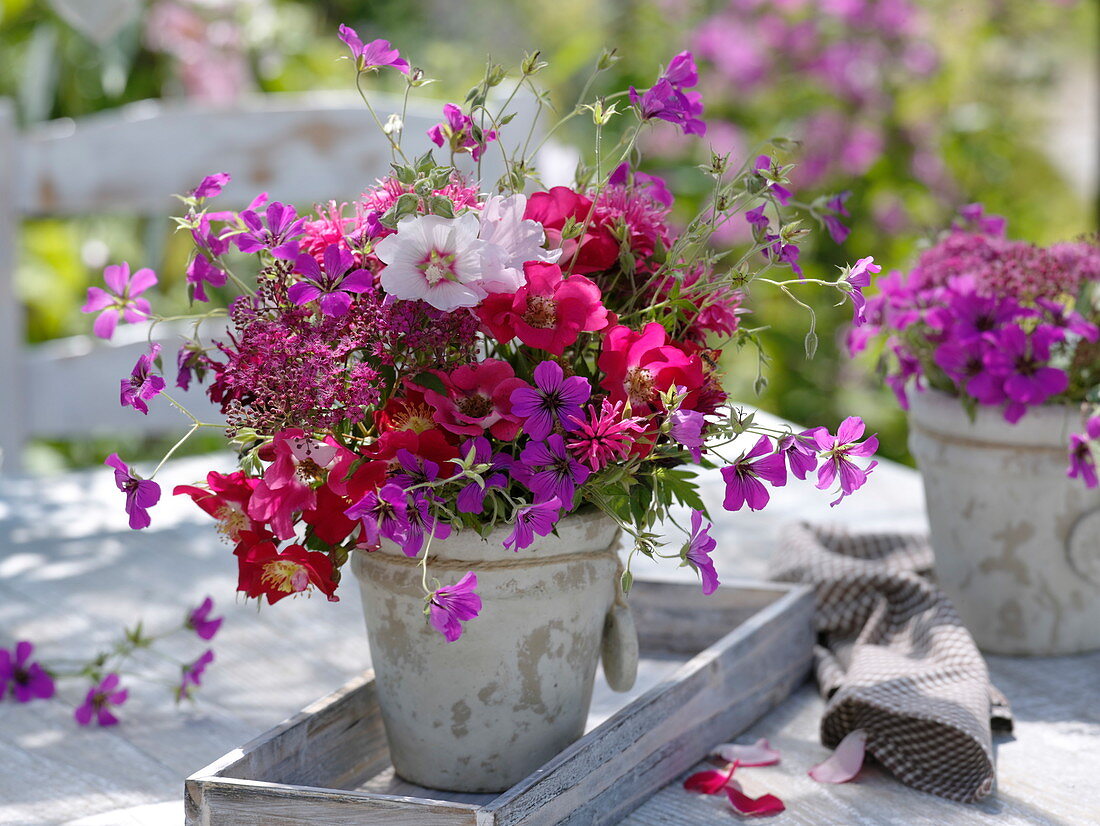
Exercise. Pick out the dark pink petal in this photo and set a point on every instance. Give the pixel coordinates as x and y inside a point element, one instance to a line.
<point>845,762</point>
<point>767,804</point>
<point>335,304</point>
<point>709,782</point>
<point>772,469</point>
<point>756,495</point>
<point>759,753</point>
<point>358,281</point>
<point>303,292</point>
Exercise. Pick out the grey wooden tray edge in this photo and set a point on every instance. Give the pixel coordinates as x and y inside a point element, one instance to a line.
<point>652,740</point>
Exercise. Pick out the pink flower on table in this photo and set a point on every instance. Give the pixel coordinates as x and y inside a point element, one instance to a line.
<point>687,429</point>
<point>374,55</point>
<point>859,277</point>
<point>478,399</point>
<point>200,622</point>
<point>459,131</point>
<point>280,235</point>
<point>697,552</point>
<point>1082,462</point>
<point>836,457</point>
<point>120,300</point>
<point>434,259</point>
<point>142,384</point>
<point>742,478</point>
<point>605,436</point>
<point>99,701</point>
<point>549,312</point>
<point>141,494</point>
<point>538,518</point>
<point>285,487</point>
<point>452,605</point>
<point>332,286</point>
<point>191,675</point>
<point>27,679</point>
<point>553,399</point>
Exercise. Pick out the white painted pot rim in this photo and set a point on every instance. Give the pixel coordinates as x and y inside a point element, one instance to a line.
<point>943,415</point>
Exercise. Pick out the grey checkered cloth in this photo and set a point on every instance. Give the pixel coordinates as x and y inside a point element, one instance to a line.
<point>895,660</point>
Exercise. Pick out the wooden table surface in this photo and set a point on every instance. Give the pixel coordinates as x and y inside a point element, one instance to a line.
<point>72,574</point>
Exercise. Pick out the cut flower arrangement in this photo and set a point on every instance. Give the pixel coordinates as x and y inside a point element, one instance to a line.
<point>438,358</point>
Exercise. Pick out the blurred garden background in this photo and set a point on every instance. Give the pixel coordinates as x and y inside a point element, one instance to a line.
<point>911,107</point>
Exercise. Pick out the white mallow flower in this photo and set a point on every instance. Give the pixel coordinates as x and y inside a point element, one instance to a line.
<point>435,259</point>
<point>513,241</point>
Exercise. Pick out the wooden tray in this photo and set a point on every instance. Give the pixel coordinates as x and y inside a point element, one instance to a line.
<point>711,666</point>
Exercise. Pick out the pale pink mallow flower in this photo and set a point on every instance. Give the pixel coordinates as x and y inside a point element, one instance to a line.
<point>434,259</point>
<point>512,242</point>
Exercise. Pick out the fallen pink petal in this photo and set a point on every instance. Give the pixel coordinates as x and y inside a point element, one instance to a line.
<point>766,804</point>
<point>709,782</point>
<point>845,762</point>
<point>759,753</point>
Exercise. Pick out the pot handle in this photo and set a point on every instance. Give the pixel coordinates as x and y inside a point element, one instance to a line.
<point>619,648</point>
<point>1083,546</point>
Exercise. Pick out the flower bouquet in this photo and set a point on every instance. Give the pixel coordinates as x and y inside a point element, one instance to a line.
<point>1001,341</point>
<point>470,392</point>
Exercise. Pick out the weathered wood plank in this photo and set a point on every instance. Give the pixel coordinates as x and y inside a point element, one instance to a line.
<point>12,404</point>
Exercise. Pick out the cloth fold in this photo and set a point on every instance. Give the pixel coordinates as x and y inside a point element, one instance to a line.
<point>895,660</point>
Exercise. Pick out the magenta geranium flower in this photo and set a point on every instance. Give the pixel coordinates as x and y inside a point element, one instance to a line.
<point>687,429</point>
<point>26,678</point>
<point>211,185</point>
<point>142,385</point>
<point>191,674</point>
<point>99,701</point>
<point>374,55</point>
<point>452,605</point>
<point>382,514</point>
<point>605,436</point>
<point>1023,362</point>
<point>697,552</point>
<point>279,236</point>
<point>471,499</point>
<point>459,131</point>
<point>141,494</point>
<point>1082,461</point>
<point>837,230</point>
<point>800,451</point>
<point>553,472</point>
<point>419,523</point>
<point>120,300</point>
<point>538,518</point>
<point>765,163</point>
<point>202,271</point>
<point>554,398</point>
<point>332,286</point>
<point>200,622</point>
<point>743,477</point>
<point>669,99</point>
<point>836,457</point>
<point>858,277</point>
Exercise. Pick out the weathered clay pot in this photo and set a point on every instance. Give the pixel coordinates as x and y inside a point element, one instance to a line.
<point>1017,543</point>
<point>481,713</point>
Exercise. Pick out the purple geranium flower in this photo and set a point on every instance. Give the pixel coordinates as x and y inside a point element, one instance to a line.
<point>964,363</point>
<point>99,701</point>
<point>781,193</point>
<point>697,552</point>
<point>279,237</point>
<point>653,185</point>
<point>1082,462</point>
<point>28,680</point>
<point>836,227</point>
<point>554,398</point>
<point>120,299</point>
<point>742,478</point>
<point>757,219</point>
<point>471,499</point>
<point>668,103</point>
<point>974,215</point>
<point>1023,362</point>
<point>859,277</point>
<point>452,605</point>
<point>538,518</point>
<point>141,494</point>
<point>191,675</point>
<point>554,473</point>
<point>1061,316</point>
<point>420,522</point>
<point>687,429</point>
<point>784,253</point>
<point>142,384</point>
<point>332,285</point>
<point>836,457</point>
<point>800,452</point>
<point>681,71</point>
<point>416,470</point>
<point>211,185</point>
<point>200,622</point>
<point>374,55</point>
<point>382,513</point>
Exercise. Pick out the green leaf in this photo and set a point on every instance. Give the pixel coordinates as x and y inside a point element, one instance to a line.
<point>430,381</point>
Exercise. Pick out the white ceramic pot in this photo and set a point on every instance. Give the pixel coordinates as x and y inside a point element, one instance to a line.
<point>1017,543</point>
<point>481,713</point>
